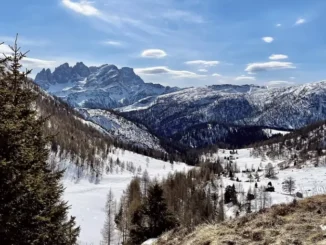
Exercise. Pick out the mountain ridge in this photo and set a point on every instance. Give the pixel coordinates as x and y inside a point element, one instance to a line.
<point>102,87</point>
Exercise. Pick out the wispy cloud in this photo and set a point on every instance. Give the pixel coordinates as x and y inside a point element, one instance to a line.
<point>279,83</point>
<point>202,70</point>
<point>267,39</point>
<point>30,63</point>
<point>267,66</point>
<point>243,77</point>
<point>24,41</point>
<point>112,43</point>
<point>159,70</point>
<point>278,25</point>
<point>300,21</point>
<point>174,14</point>
<point>153,53</point>
<point>33,63</point>
<point>216,75</point>
<point>119,20</point>
<point>83,7</point>
<point>278,57</point>
<point>203,63</point>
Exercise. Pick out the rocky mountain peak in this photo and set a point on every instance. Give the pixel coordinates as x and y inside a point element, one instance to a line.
<point>80,70</point>
<point>103,87</point>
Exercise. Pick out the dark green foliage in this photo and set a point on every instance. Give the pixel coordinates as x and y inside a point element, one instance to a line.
<point>31,206</point>
<point>230,194</point>
<point>152,218</point>
<point>182,194</point>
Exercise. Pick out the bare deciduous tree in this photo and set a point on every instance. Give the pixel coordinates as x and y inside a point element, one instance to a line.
<point>109,226</point>
<point>289,185</point>
<point>270,171</point>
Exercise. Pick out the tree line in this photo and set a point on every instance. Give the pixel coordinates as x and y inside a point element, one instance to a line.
<point>148,207</point>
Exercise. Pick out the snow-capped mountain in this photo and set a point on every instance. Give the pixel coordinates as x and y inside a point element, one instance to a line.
<point>124,130</point>
<point>195,117</point>
<point>183,111</point>
<point>101,87</point>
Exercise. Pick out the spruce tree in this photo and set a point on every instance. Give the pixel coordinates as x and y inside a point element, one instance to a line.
<point>31,206</point>
<point>152,218</point>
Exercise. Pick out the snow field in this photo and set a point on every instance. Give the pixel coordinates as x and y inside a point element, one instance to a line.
<point>309,180</point>
<point>87,199</point>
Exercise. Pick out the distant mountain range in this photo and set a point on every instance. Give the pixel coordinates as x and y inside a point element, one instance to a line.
<point>97,87</point>
<point>200,116</point>
<point>193,117</point>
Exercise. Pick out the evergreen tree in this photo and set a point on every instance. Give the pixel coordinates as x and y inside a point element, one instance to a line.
<point>152,218</point>
<point>31,206</point>
<point>230,195</point>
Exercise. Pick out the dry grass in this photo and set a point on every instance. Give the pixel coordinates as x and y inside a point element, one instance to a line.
<point>292,224</point>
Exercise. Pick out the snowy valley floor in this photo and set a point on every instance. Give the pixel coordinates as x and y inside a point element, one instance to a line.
<point>87,200</point>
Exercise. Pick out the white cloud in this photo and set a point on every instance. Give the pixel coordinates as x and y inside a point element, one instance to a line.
<point>216,75</point>
<point>278,25</point>
<point>159,70</point>
<point>83,7</point>
<point>243,77</point>
<point>300,21</point>
<point>279,83</point>
<point>153,53</point>
<point>118,19</point>
<point>267,39</point>
<point>32,63</point>
<point>292,78</point>
<point>27,62</point>
<point>4,49</point>
<point>266,66</point>
<point>203,70</point>
<point>113,43</point>
<point>203,63</point>
<point>278,57</point>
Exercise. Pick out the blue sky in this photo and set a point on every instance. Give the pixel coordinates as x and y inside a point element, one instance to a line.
<point>176,42</point>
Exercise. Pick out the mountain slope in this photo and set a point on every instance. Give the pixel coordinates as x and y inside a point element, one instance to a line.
<point>300,222</point>
<point>122,129</point>
<point>230,105</point>
<point>101,87</point>
<point>78,134</point>
<point>95,161</point>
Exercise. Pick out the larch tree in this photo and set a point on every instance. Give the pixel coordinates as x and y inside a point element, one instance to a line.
<point>270,171</point>
<point>109,225</point>
<point>31,207</point>
<point>288,185</point>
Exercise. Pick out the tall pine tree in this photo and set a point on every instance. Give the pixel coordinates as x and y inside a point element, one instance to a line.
<point>31,206</point>
<point>152,218</point>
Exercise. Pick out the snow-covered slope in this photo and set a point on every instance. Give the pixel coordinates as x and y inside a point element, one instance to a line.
<point>87,195</point>
<point>310,180</point>
<point>248,105</point>
<point>123,129</point>
<point>101,87</point>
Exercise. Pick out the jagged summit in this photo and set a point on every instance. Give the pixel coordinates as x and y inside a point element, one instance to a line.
<point>101,87</point>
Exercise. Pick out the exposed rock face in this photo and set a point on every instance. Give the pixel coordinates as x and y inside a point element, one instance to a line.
<point>103,87</point>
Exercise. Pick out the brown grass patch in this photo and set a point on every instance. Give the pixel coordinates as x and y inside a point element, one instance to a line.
<point>293,224</point>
